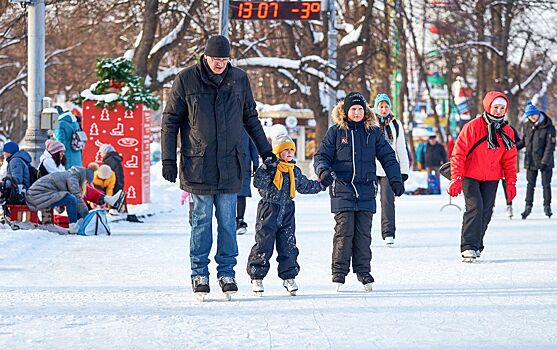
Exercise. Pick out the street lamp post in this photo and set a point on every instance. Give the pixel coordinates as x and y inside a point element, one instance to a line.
<point>34,136</point>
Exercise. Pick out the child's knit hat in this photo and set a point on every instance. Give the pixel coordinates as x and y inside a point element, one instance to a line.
<point>282,142</point>
<point>530,110</point>
<point>104,172</point>
<point>381,98</point>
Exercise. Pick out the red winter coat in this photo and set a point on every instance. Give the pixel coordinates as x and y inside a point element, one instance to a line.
<point>484,164</point>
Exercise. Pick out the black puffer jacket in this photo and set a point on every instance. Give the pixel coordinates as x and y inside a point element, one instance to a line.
<point>539,141</point>
<point>350,149</point>
<point>114,161</point>
<point>210,119</point>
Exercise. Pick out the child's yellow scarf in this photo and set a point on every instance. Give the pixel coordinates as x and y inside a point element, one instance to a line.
<point>284,167</point>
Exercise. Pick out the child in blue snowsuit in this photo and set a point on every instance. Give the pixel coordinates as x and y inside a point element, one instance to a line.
<point>277,184</point>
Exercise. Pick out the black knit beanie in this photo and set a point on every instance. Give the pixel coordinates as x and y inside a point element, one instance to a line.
<point>217,46</point>
<point>354,98</point>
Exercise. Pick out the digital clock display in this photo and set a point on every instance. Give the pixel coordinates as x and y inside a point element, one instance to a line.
<point>259,10</point>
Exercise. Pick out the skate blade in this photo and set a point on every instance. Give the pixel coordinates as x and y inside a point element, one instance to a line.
<point>337,286</point>
<point>228,295</point>
<point>293,293</point>
<point>469,260</point>
<point>368,287</point>
<point>200,297</point>
<point>241,231</point>
<point>258,293</point>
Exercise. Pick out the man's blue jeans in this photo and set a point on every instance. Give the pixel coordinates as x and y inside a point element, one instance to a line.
<point>202,234</point>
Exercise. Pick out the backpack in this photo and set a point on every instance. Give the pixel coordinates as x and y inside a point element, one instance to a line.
<point>95,224</point>
<point>12,192</point>
<point>79,138</point>
<point>33,174</point>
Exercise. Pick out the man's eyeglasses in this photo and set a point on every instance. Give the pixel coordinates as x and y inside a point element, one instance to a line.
<point>219,59</point>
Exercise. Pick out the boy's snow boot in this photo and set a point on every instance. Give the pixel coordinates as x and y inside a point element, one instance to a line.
<point>478,253</point>
<point>510,211</point>
<point>200,284</point>
<point>547,211</point>
<point>241,227</point>
<point>366,279</point>
<point>257,287</point>
<point>469,256</point>
<point>290,285</point>
<point>228,286</point>
<point>527,211</point>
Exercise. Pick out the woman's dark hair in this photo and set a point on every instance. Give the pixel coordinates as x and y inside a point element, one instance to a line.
<point>59,158</point>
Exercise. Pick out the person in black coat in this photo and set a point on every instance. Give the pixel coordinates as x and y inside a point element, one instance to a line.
<point>251,160</point>
<point>209,106</point>
<point>345,161</point>
<point>435,156</point>
<point>114,160</point>
<point>539,144</point>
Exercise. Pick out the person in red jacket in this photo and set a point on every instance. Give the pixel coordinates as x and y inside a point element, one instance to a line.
<point>478,173</point>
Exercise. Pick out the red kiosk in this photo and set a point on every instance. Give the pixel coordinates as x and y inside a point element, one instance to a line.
<point>128,131</point>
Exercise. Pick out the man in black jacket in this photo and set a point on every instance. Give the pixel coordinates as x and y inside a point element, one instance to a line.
<point>539,141</point>
<point>435,156</point>
<point>210,104</point>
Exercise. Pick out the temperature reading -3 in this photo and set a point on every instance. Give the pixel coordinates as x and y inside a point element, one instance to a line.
<point>277,10</point>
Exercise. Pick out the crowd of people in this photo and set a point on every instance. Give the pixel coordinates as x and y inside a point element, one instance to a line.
<point>211,119</point>
<point>364,154</point>
<point>59,181</point>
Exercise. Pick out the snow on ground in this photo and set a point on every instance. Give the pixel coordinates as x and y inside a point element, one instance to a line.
<point>132,291</point>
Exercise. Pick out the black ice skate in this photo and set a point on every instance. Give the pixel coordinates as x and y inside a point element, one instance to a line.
<point>526,212</point>
<point>241,227</point>
<point>200,286</point>
<point>547,211</point>
<point>366,279</point>
<point>338,280</point>
<point>469,256</point>
<point>290,286</point>
<point>228,286</point>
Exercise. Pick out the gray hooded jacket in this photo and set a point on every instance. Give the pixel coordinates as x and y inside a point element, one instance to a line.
<point>51,188</point>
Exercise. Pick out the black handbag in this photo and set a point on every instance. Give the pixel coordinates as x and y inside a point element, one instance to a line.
<point>445,169</point>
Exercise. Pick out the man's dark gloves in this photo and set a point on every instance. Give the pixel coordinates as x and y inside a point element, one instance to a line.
<point>327,177</point>
<point>404,177</point>
<point>398,188</point>
<point>169,170</point>
<point>269,154</point>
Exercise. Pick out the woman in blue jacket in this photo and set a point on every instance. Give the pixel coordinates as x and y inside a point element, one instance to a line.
<point>345,161</point>
<point>67,127</point>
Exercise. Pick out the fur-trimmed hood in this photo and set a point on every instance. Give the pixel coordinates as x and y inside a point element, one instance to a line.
<point>341,119</point>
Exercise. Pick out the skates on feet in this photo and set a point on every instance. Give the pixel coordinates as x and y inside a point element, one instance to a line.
<point>228,286</point>
<point>241,227</point>
<point>526,212</point>
<point>291,286</point>
<point>257,287</point>
<point>366,279</point>
<point>390,241</point>
<point>200,286</point>
<point>469,256</point>
<point>338,280</point>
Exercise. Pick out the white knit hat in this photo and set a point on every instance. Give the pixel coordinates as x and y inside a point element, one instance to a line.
<point>104,172</point>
